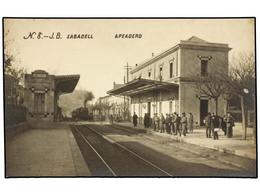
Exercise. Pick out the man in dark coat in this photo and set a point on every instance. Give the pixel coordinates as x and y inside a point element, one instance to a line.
<point>184,122</point>
<point>146,120</point>
<point>135,117</point>
<point>216,122</point>
<point>111,119</point>
<point>172,129</point>
<point>156,122</point>
<point>162,123</point>
<point>230,124</point>
<point>207,122</point>
<point>177,122</point>
<point>168,123</point>
<point>190,123</point>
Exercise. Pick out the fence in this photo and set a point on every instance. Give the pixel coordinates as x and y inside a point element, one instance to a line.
<point>14,114</point>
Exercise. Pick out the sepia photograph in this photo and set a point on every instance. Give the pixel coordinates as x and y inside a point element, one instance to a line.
<point>130,97</point>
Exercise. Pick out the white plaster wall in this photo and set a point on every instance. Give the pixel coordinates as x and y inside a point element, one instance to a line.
<point>154,67</point>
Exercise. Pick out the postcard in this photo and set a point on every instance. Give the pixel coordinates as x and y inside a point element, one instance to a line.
<point>130,97</point>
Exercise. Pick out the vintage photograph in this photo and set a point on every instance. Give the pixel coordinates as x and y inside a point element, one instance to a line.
<point>130,97</point>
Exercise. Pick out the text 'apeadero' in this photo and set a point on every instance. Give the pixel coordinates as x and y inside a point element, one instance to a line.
<point>128,36</point>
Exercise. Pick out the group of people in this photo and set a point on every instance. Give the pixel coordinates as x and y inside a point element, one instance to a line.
<point>171,123</point>
<point>215,123</point>
<point>181,125</point>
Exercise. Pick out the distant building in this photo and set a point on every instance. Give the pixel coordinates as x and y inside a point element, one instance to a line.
<point>42,92</point>
<point>118,106</point>
<point>162,84</point>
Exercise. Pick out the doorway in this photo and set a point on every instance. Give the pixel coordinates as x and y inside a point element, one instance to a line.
<point>203,110</point>
<point>39,103</point>
<point>149,108</point>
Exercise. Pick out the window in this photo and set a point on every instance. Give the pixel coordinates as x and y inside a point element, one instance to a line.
<point>39,103</point>
<point>149,74</point>
<point>171,69</point>
<point>204,67</point>
<point>160,73</point>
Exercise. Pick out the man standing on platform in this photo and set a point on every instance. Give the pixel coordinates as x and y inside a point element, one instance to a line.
<point>190,122</point>
<point>172,124</point>
<point>230,123</point>
<point>176,122</point>
<point>162,123</point>
<point>207,122</point>
<point>135,117</point>
<point>167,123</point>
<point>156,122</point>
<point>183,124</point>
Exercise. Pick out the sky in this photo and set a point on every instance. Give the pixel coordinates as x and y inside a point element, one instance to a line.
<point>100,61</point>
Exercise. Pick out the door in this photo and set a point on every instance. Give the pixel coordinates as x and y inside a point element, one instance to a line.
<point>170,107</point>
<point>149,108</point>
<point>39,103</point>
<point>203,110</point>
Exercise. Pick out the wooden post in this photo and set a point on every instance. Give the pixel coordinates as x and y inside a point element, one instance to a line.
<point>243,117</point>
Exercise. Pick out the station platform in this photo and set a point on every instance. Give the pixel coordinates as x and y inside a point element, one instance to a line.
<point>44,152</point>
<point>235,145</point>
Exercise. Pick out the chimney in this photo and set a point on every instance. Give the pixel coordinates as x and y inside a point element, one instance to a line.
<point>136,64</point>
<point>152,54</point>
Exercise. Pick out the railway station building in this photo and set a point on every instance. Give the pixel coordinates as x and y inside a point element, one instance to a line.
<point>42,92</point>
<point>163,84</point>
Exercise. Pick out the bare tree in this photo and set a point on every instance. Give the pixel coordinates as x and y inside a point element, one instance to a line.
<point>210,86</point>
<point>241,82</point>
<point>9,61</point>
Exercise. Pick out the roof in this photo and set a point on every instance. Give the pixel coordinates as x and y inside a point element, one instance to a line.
<point>192,41</point>
<point>196,39</point>
<point>117,85</point>
<point>139,86</point>
<point>200,42</point>
<point>66,83</point>
<point>39,72</point>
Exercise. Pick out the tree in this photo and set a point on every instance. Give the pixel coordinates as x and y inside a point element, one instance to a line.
<point>241,82</point>
<point>9,61</point>
<point>88,96</point>
<point>103,107</point>
<point>211,86</point>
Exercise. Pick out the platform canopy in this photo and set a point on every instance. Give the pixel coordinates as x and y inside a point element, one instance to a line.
<point>139,86</point>
<point>66,83</point>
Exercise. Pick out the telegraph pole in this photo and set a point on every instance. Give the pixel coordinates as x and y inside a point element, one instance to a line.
<point>127,67</point>
<point>124,103</point>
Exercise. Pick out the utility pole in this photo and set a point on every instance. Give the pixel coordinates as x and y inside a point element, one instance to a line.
<point>127,67</point>
<point>124,103</point>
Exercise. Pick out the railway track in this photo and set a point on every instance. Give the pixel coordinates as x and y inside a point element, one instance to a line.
<point>105,157</point>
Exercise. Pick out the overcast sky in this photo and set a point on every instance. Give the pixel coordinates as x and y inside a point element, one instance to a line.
<point>101,60</point>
